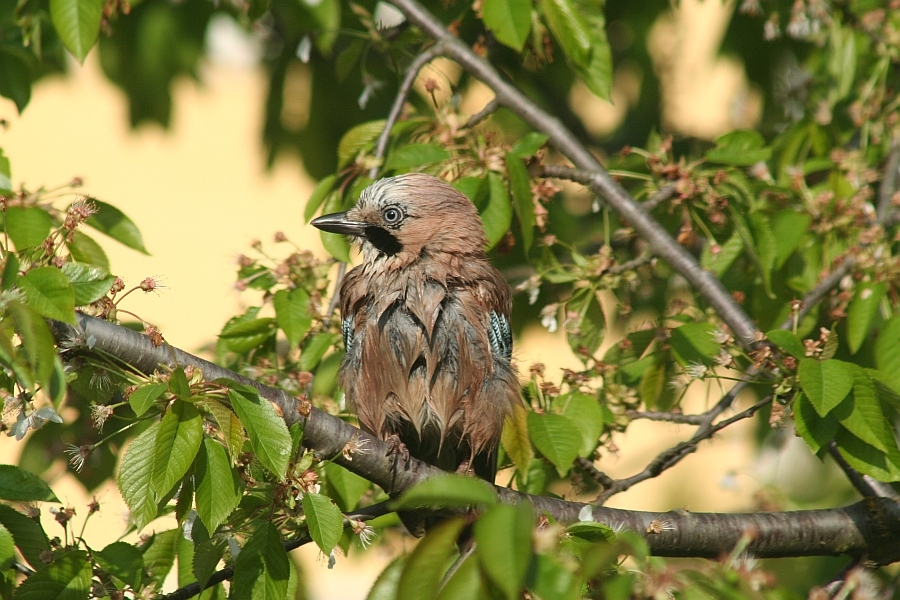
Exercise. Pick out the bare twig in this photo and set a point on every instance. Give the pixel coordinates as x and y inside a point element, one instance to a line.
<point>336,297</point>
<point>661,243</point>
<point>489,109</point>
<point>815,295</point>
<point>668,417</point>
<point>594,473</point>
<point>630,265</point>
<point>889,183</point>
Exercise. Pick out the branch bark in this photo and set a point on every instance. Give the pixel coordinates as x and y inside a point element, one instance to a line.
<point>870,528</point>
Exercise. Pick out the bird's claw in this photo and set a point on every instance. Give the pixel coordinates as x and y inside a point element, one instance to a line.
<point>397,448</point>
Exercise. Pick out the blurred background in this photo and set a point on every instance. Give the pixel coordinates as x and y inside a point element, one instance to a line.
<point>202,192</point>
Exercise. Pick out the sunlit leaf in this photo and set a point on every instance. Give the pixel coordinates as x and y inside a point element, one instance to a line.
<point>557,438</point>
<point>114,223</point>
<point>509,20</point>
<point>78,23</point>
<point>324,520</point>
<point>826,383</point>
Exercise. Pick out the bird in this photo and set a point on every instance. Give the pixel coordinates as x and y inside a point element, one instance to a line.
<point>425,320</point>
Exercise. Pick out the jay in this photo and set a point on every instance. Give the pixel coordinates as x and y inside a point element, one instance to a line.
<point>425,321</point>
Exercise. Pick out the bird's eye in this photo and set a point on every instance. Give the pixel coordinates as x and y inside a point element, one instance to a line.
<point>391,215</point>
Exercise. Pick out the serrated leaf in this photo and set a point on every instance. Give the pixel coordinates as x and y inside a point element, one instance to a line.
<point>177,442</point>
<point>557,438</point>
<point>520,184</point>
<point>825,383</point>
<point>135,479</point>
<point>740,148</point>
<point>262,569</point>
<point>241,335</point>
<point>78,23</point>
<point>324,520</point>
<point>37,342</point>
<point>85,250</point>
<point>415,156</point>
<point>27,226</point>
<point>218,485</point>
<point>585,412</point>
<point>788,227</point>
<point>585,332</point>
<point>504,545</point>
<point>509,20</point>
<point>178,384</point>
<point>268,434</point>
<point>292,313</point>
<point>228,422</point>
<point>113,222</point>
<point>694,343</point>
<point>49,293</point>
<point>7,549</point>
<point>68,577</point>
<point>447,491</point>
<point>569,28</point>
<point>529,144</point>
<point>718,263</point>
<point>207,555</point>
<point>19,485</point>
<point>591,531</point>
<point>323,188</point>
<point>867,459</point>
<point>862,415</point>
<point>787,341</point>
<point>28,535</point>
<point>159,554</point>
<point>497,213</point>
<point>424,569</point>
<point>580,29</point>
<point>816,431</point>
<point>357,139</point>
<point>311,354</point>
<point>142,398</point>
<point>123,561</point>
<point>515,440</point>
<point>861,313</point>
<point>385,586</point>
<point>346,487</point>
<point>89,283</point>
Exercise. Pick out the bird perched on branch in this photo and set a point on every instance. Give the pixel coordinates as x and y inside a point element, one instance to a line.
<point>426,324</point>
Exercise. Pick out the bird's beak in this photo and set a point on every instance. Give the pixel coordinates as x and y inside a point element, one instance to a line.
<point>339,223</point>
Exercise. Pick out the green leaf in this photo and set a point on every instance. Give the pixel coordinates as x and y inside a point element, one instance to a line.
<point>497,214</point>
<point>27,226</point>
<point>765,249</point>
<point>324,520</point>
<point>509,20</point>
<point>318,196</point>
<point>207,555</point>
<point>142,398</point>
<point>241,335</point>
<point>49,293</point>
<point>385,586</point>
<point>465,582</point>
<point>694,343</point>
<point>292,313</point>
<point>78,23</point>
<point>887,350</point>
<point>177,442</point>
<point>415,156</point>
<point>718,263</point>
<point>475,189</point>
<point>336,245</point>
<point>570,29</point>
<point>346,487</point>
<point>515,440</point>
<point>591,531</point>
<point>113,222</point>
<point>861,313</point>
<point>228,422</point>
<point>520,184</point>
<point>556,581</point>
<point>504,545</point>
<point>787,341</point>
<point>311,354</point>
<point>421,577</point>
<point>740,148</point>
<point>19,485</point>
<point>529,144</point>
<point>68,577</point>
<point>7,549</point>
<point>557,438</point>
<point>37,341</point>
<point>123,561</point>
<point>85,250</point>
<point>867,459</point>
<point>218,485</point>
<point>5,171</point>
<point>447,491</point>
<point>89,283</point>
<point>580,29</point>
<point>358,138</point>
<point>269,436</point>
<point>15,85</point>
<point>586,332</point>
<point>28,535</point>
<point>159,554</point>
<point>825,383</point>
<point>585,412</point>
<point>816,431</point>
<point>262,569</point>
<point>862,415</point>
<point>788,227</point>
<point>135,478</point>
<point>178,384</point>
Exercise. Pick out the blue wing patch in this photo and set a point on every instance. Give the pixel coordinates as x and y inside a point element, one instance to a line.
<point>499,335</point>
<point>347,332</point>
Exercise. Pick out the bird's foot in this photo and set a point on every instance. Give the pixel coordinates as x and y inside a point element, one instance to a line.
<point>465,468</point>
<point>397,448</point>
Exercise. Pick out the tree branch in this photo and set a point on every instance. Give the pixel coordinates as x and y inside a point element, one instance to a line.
<point>661,243</point>
<point>871,527</point>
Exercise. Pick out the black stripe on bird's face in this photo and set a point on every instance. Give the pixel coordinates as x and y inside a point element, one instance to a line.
<point>383,240</point>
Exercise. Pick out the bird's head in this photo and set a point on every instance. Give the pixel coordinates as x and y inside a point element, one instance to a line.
<point>410,216</point>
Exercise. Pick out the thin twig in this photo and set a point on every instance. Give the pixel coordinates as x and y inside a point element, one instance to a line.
<point>668,417</point>
<point>594,473</point>
<point>630,265</point>
<point>673,455</point>
<point>661,243</point>
<point>336,297</point>
<point>889,183</point>
<point>412,72</point>
<point>489,109</point>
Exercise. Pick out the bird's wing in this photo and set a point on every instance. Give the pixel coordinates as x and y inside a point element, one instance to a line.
<point>499,334</point>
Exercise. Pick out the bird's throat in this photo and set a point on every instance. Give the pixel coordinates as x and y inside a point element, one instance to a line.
<point>383,240</point>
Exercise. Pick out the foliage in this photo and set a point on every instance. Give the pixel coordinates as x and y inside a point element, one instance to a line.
<point>795,219</point>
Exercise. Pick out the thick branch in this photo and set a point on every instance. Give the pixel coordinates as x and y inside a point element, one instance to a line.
<point>659,240</point>
<point>869,528</point>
